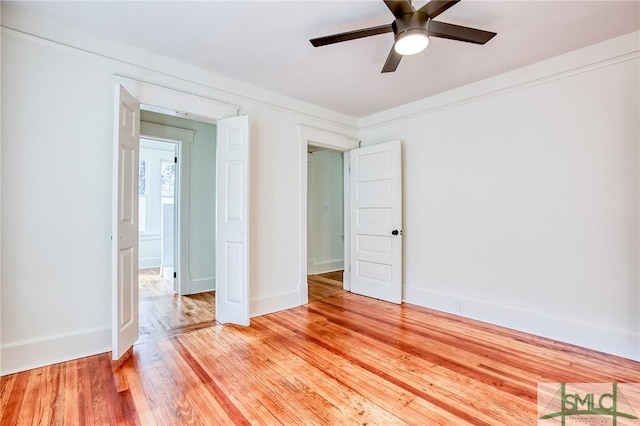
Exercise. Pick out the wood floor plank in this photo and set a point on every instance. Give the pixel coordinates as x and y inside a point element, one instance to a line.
<point>256,405</point>
<point>179,407</point>
<point>253,372</point>
<point>392,367</point>
<point>200,376</point>
<point>418,345</point>
<point>13,409</point>
<point>342,359</point>
<point>100,393</point>
<point>308,403</point>
<point>325,285</point>
<point>6,386</point>
<point>549,360</point>
<point>141,404</point>
<point>85,399</point>
<point>388,396</point>
<point>425,350</point>
<point>51,403</point>
<point>158,402</point>
<point>447,380</point>
<point>338,394</point>
<point>163,313</point>
<point>28,413</point>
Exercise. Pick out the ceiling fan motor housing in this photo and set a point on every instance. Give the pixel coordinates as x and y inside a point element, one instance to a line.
<point>411,29</point>
<point>410,21</point>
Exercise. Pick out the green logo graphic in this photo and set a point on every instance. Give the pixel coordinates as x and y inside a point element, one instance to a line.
<point>585,401</point>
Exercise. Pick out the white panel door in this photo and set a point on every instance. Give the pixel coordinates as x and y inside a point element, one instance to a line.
<point>376,221</point>
<point>232,221</point>
<point>125,228</point>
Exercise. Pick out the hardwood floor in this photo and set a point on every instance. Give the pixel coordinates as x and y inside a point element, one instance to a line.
<point>163,313</point>
<point>325,285</point>
<point>339,360</point>
<point>151,284</point>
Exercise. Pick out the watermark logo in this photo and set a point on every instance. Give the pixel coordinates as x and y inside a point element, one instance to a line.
<point>615,404</point>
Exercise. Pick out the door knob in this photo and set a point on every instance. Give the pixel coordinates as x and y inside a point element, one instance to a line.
<point>395,232</point>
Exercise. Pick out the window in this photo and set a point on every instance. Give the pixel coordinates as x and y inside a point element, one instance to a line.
<point>167,178</point>
<point>142,197</point>
<point>142,186</point>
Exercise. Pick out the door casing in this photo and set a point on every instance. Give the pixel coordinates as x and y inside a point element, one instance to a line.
<point>336,142</point>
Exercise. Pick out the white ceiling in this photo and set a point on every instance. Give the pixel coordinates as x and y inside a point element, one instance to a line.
<point>265,43</point>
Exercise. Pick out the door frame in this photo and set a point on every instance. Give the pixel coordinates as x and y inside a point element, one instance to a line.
<point>170,102</point>
<point>337,142</point>
<point>183,139</point>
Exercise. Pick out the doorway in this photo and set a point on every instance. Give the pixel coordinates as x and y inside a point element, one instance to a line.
<point>231,200</point>
<point>157,213</point>
<point>176,234</point>
<point>312,138</point>
<point>325,222</point>
<point>372,214</point>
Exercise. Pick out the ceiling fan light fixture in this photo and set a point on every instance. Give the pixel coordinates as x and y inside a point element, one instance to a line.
<point>411,42</point>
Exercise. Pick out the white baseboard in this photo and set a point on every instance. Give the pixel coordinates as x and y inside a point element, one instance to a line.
<point>34,353</point>
<point>303,293</point>
<point>149,262</point>
<point>592,336</point>
<point>201,285</point>
<point>275,303</point>
<point>324,267</point>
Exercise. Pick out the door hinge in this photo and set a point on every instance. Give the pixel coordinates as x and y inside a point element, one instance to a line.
<point>175,160</point>
<point>175,274</point>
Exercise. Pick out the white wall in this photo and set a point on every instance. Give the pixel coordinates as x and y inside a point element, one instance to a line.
<point>57,129</point>
<point>325,210</point>
<point>521,197</point>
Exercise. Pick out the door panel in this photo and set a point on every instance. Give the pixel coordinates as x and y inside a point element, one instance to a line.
<point>125,318</point>
<point>376,211</point>
<point>232,221</point>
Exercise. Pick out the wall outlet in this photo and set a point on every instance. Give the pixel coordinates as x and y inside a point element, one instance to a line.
<point>459,306</point>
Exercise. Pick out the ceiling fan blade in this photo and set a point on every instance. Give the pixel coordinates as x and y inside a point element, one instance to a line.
<point>436,7</point>
<point>457,32</point>
<point>351,35</point>
<point>392,61</point>
<point>399,8</point>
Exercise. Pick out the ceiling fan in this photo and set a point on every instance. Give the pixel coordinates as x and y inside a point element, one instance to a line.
<point>412,29</point>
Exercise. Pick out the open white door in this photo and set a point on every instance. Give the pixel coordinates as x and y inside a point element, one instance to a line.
<point>376,221</point>
<point>232,221</point>
<point>125,227</point>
